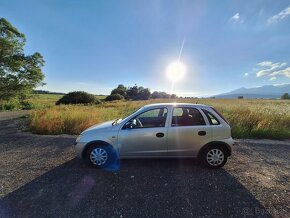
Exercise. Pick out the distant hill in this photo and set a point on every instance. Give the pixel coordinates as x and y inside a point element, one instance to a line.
<point>267,91</point>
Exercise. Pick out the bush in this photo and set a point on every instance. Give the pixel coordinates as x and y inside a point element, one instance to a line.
<point>114,97</point>
<point>12,104</point>
<point>26,105</point>
<point>285,96</point>
<point>162,95</point>
<point>138,93</point>
<point>121,89</point>
<point>77,98</point>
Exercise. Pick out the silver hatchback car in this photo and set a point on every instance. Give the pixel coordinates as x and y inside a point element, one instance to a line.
<point>167,130</point>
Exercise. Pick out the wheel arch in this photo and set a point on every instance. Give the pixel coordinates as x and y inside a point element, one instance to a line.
<point>213,143</point>
<point>95,142</point>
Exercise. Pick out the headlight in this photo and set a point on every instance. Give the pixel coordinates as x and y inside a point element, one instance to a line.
<point>78,138</point>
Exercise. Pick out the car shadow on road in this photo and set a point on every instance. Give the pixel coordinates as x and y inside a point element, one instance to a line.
<point>140,188</point>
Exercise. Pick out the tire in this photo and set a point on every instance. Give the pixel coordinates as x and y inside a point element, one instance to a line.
<point>214,157</point>
<point>100,156</point>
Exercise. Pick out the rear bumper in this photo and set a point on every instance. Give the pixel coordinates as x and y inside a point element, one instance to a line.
<point>79,147</point>
<point>230,142</point>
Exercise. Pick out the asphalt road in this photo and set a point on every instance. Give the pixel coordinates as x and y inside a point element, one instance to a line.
<point>40,177</point>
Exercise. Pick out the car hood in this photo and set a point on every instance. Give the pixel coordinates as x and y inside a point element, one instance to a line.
<point>100,127</point>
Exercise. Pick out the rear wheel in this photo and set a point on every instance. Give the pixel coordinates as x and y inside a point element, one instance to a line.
<point>100,156</point>
<point>214,157</point>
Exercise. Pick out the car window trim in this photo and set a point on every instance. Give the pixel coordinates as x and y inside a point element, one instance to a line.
<point>145,112</point>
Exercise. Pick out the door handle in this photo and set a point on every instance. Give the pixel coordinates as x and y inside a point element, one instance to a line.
<point>202,133</point>
<point>159,134</point>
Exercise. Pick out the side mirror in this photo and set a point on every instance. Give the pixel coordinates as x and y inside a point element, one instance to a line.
<point>131,124</point>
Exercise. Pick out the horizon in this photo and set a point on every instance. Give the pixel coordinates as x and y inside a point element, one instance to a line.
<point>216,95</point>
<point>94,46</point>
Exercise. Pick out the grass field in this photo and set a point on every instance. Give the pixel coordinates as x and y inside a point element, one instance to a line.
<point>249,118</point>
<point>48,100</point>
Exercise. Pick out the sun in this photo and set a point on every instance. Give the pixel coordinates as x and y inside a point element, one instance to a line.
<point>176,71</point>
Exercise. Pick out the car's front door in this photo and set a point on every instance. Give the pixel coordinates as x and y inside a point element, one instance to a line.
<point>187,132</point>
<point>144,135</point>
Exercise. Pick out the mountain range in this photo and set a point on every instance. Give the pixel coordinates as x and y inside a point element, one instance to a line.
<point>267,91</point>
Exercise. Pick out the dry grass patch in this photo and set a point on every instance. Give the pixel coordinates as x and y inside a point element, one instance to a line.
<point>248,118</point>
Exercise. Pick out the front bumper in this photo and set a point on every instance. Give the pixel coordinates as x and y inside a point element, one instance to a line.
<point>79,147</point>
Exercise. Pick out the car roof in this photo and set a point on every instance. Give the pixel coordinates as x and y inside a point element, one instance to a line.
<point>175,104</point>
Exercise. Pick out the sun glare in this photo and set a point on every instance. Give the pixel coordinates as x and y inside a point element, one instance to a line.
<point>176,71</point>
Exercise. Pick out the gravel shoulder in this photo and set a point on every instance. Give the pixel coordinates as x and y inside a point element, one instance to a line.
<point>40,177</point>
<point>6,115</point>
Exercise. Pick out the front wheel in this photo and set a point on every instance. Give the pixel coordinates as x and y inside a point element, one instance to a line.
<point>214,157</point>
<point>100,156</point>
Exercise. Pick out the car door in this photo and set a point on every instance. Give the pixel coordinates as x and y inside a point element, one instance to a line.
<point>145,135</point>
<point>187,132</point>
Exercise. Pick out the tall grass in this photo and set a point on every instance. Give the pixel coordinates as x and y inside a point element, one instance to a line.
<point>248,118</point>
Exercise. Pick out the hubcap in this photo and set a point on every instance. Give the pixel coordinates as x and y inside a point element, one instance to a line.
<point>215,157</point>
<point>99,156</point>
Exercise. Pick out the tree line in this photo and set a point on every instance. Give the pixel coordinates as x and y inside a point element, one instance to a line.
<point>135,93</point>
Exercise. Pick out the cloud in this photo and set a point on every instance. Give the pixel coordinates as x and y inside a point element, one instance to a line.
<point>270,67</point>
<point>280,16</point>
<point>265,64</point>
<point>246,74</point>
<point>273,78</point>
<point>236,18</point>
<point>284,72</point>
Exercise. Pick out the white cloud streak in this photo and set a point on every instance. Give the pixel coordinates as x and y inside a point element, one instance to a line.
<point>280,16</point>
<point>270,67</point>
<point>284,72</point>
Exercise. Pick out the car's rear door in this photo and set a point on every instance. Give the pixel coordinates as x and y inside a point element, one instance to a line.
<point>187,132</point>
<point>148,140</point>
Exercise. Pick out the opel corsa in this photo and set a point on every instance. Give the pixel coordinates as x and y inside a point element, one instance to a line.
<point>171,130</point>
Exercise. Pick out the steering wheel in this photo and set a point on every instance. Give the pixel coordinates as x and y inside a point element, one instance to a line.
<point>139,124</point>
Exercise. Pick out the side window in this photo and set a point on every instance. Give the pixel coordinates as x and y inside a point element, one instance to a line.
<point>177,112</point>
<point>186,116</point>
<point>148,119</point>
<point>148,114</point>
<point>211,118</point>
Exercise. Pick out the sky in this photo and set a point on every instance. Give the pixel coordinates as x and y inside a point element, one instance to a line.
<point>95,45</point>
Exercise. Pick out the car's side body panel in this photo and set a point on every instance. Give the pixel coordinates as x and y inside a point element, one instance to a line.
<point>178,141</point>
<point>185,141</point>
<point>142,142</point>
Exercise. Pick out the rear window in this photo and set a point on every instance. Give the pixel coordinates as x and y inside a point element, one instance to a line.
<point>220,115</point>
<point>211,118</point>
